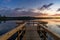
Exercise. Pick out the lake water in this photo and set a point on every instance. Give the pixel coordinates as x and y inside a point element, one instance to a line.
<point>53,25</point>
<point>7,26</point>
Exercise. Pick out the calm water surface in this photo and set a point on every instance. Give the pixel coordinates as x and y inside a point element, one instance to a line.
<point>7,26</point>
<point>53,25</point>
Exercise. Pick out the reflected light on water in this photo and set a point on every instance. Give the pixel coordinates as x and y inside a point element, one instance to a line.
<point>53,25</point>
<point>50,21</point>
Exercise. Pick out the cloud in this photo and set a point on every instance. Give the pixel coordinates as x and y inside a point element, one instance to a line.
<point>49,4</point>
<point>23,12</point>
<point>18,12</point>
<point>58,9</point>
<point>18,8</point>
<point>46,6</point>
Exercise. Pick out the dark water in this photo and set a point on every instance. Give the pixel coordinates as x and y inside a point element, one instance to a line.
<point>54,28</point>
<point>53,25</point>
<point>7,26</point>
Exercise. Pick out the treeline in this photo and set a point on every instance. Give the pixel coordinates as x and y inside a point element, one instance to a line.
<point>26,18</point>
<point>17,18</point>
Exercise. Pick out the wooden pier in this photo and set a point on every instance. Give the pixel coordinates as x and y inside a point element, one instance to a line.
<point>30,30</point>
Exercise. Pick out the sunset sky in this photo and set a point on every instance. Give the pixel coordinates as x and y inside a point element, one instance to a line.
<point>29,7</point>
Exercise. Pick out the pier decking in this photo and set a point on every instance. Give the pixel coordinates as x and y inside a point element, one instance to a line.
<point>31,33</point>
<point>30,30</point>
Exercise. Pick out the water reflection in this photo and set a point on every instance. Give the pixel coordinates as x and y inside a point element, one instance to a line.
<point>53,25</point>
<point>7,26</point>
<point>54,28</point>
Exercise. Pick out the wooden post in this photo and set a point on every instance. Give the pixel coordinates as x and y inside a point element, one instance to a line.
<point>38,29</point>
<point>18,38</point>
<point>33,23</point>
<point>44,34</point>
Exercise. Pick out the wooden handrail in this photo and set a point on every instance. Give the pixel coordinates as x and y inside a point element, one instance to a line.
<point>54,35</point>
<point>10,33</point>
<point>20,34</point>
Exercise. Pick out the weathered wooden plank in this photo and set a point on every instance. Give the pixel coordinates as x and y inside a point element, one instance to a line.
<point>54,35</point>
<point>19,34</point>
<point>31,33</point>
<point>10,33</point>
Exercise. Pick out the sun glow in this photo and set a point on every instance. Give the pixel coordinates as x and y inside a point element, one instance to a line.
<point>49,12</point>
<point>36,11</point>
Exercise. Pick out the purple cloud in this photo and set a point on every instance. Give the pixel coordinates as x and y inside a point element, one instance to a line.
<point>58,9</point>
<point>18,12</point>
<point>46,6</point>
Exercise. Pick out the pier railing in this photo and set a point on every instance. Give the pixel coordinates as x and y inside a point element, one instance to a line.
<point>41,27</point>
<point>46,31</point>
<point>18,29</point>
<point>21,29</point>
